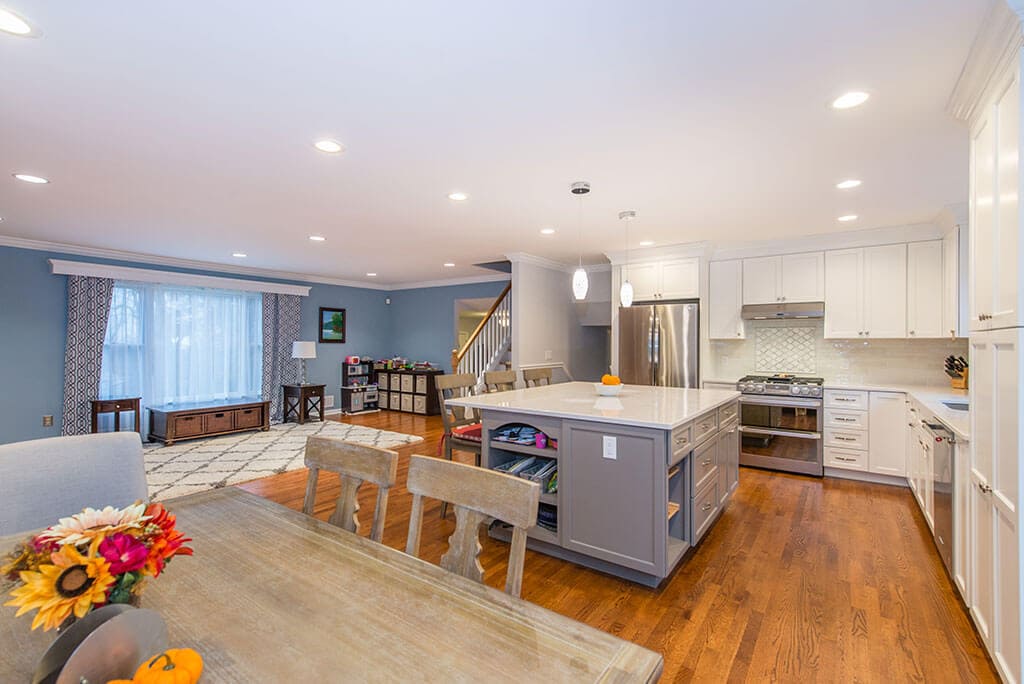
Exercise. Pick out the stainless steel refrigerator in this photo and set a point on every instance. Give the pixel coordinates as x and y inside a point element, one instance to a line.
<point>659,344</point>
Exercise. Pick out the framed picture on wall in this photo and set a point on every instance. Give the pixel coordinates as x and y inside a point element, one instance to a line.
<point>332,325</point>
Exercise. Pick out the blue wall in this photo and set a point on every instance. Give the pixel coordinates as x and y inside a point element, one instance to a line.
<point>424,320</point>
<point>33,316</point>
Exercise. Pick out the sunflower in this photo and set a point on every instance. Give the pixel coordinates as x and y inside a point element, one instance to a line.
<point>70,586</point>
<point>92,523</point>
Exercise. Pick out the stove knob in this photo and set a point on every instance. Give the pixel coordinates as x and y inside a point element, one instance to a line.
<point>805,390</point>
<point>794,390</point>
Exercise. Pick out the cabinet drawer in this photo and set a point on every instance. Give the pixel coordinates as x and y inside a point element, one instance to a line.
<point>395,401</point>
<point>705,506</point>
<point>846,458</point>
<point>704,427</point>
<point>421,384</point>
<point>220,421</point>
<point>728,413</point>
<point>682,442</point>
<point>705,466</point>
<point>846,420</point>
<point>406,402</point>
<point>383,380</point>
<point>407,383</point>
<point>113,405</point>
<point>248,417</point>
<point>848,439</point>
<point>191,424</point>
<point>382,399</point>
<point>396,382</point>
<point>419,403</point>
<point>843,399</point>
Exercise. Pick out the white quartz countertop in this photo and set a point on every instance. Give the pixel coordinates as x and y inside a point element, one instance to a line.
<point>637,405</point>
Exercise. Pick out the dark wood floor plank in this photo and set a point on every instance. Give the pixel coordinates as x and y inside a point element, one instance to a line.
<point>801,580</point>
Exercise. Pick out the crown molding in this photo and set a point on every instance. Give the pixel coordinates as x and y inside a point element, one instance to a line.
<point>174,262</point>
<point>677,251</point>
<point>995,47</point>
<point>822,242</point>
<point>543,262</point>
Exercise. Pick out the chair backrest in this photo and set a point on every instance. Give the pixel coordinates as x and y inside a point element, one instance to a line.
<point>499,381</point>
<point>478,495</point>
<point>457,385</point>
<point>355,463</point>
<point>535,377</point>
<point>45,479</point>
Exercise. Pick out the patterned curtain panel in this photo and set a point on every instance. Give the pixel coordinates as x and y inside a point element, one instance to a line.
<point>280,329</point>
<point>88,310</point>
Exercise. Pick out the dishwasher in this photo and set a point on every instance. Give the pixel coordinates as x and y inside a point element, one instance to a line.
<point>943,468</point>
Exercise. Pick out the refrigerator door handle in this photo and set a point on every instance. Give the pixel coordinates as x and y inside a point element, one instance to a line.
<point>656,360</point>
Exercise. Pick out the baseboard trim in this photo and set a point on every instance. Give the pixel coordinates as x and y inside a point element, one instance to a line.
<point>861,476</point>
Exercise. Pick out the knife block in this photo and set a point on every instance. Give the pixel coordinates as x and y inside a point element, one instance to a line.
<point>961,382</point>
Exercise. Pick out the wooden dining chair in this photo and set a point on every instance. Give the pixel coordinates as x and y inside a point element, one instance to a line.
<point>479,495</point>
<point>462,429</point>
<point>535,377</point>
<point>499,381</point>
<point>355,463</point>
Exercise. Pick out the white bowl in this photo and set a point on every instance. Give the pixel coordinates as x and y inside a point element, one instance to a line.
<point>608,390</point>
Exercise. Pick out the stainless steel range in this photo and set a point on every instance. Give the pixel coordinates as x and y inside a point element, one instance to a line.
<point>781,420</point>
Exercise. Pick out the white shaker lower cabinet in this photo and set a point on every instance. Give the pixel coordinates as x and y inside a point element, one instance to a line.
<point>996,446</point>
<point>888,430</point>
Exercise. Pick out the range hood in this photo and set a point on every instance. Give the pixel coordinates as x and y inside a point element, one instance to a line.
<point>782,311</point>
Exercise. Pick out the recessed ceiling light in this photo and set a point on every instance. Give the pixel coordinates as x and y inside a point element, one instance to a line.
<point>458,197</point>
<point>317,238</point>
<point>13,24</point>
<point>371,275</point>
<point>28,178</point>
<point>853,98</point>
<point>239,255</point>
<point>848,184</point>
<point>329,146</point>
<point>449,265</point>
<point>646,243</point>
<point>547,231</point>
<point>847,218</point>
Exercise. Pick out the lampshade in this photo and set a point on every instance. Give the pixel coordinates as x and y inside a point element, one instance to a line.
<point>580,283</point>
<point>303,350</point>
<point>626,294</point>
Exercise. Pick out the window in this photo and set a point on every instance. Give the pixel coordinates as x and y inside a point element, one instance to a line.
<point>174,344</point>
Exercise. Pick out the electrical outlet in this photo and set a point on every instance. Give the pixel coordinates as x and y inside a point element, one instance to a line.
<point>609,447</point>
<point>47,421</point>
<point>328,401</point>
<point>547,355</point>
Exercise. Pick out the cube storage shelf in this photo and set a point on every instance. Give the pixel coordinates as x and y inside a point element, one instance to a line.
<point>411,391</point>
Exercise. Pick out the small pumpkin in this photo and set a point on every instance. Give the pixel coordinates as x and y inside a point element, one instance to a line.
<point>173,666</point>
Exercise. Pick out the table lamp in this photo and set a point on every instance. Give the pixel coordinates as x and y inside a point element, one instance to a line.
<point>303,351</point>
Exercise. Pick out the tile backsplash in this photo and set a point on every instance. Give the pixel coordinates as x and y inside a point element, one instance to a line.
<point>800,347</point>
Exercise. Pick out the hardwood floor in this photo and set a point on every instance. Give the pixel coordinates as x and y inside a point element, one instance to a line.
<point>800,580</point>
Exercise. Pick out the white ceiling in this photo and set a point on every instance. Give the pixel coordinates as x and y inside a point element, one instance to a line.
<point>185,129</point>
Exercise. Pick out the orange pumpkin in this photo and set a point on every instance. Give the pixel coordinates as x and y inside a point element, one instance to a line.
<point>173,666</point>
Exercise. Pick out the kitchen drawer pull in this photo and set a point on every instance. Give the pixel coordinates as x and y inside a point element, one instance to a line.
<point>848,460</point>
<point>846,420</point>
<point>706,507</point>
<point>845,439</point>
<point>218,415</point>
<point>706,462</point>
<point>985,489</point>
<point>844,399</point>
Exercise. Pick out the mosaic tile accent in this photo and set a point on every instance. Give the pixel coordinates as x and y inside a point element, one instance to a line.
<point>785,350</point>
<point>194,466</point>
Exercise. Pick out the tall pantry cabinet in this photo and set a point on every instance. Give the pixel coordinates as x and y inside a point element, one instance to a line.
<point>994,573</point>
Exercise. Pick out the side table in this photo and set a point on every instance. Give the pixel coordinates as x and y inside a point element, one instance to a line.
<point>117,407</point>
<point>302,400</point>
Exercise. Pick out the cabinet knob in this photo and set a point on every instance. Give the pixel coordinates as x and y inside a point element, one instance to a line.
<point>911,332</point>
<point>706,507</point>
<point>985,489</point>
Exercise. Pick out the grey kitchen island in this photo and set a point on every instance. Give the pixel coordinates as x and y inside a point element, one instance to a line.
<point>641,477</point>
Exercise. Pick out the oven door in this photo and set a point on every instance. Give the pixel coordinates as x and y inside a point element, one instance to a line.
<point>781,433</point>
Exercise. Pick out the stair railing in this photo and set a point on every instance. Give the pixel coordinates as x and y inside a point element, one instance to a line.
<point>486,347</point>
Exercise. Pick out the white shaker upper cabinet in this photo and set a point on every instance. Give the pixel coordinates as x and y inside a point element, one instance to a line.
<point>996,256</point>
<point>844,293</point>
<point>885,291</point>
<point>643,278</point>
<point>725,299</point>
<point>925,289</point>
<point>761,280</point>
<point>680,279</point>
<point>803,277</point>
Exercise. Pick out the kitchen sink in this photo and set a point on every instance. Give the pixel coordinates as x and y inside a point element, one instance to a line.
<point>957,405</point>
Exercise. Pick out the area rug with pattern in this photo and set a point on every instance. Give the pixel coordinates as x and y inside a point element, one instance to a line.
<point>193,466</point>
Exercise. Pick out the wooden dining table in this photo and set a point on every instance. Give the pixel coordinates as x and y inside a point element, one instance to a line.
<point>272,595</point>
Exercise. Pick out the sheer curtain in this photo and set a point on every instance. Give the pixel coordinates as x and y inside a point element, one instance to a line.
<point>173,344</point>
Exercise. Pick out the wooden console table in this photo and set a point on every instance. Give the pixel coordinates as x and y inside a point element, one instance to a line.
<point>301,400</point>
<point>175,422</point>
<point>117,407</point>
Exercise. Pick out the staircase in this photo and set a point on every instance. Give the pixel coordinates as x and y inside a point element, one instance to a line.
<point>490,345</point>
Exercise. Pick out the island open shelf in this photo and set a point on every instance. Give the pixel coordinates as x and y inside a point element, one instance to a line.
<point>627,501</point>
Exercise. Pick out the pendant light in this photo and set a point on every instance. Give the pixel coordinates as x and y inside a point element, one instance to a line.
<point>580,281</point>
<point>626,290</point>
